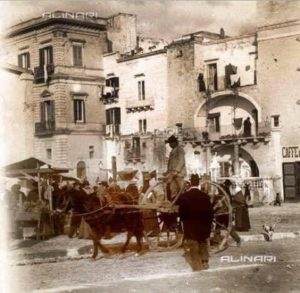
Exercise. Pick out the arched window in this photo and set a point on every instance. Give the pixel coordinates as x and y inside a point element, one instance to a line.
<point>81,170</point>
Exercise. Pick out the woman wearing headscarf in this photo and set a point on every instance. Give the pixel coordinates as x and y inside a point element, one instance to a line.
<point>239,204</point>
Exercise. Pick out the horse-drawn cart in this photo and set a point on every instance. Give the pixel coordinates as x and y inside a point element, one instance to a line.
<point>132,209</point>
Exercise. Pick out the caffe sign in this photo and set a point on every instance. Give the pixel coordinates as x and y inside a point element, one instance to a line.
<point>291,152</point>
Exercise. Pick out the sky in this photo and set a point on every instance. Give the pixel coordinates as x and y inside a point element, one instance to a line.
<point>168,19</point>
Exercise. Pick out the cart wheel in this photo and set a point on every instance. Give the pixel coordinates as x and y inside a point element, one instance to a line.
<point>168,233</point>
<point>222,222</point>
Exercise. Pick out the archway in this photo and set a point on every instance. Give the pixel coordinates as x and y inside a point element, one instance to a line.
<point>248,166</point>
<point>81,170</point>
<point>224,113</point>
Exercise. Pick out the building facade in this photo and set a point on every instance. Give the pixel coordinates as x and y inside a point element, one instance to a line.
<point>102,96</point>
<point>65,56</point>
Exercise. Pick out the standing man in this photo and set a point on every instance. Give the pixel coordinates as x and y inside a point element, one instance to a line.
<point>196,213</point>
<point>247,127</point>
<point>176,167</point>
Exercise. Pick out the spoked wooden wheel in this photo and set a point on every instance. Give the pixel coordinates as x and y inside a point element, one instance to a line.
<point>222,222</point>
<point>165,231</point>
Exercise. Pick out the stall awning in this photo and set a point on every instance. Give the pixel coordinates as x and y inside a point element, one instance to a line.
<point>31,166</point>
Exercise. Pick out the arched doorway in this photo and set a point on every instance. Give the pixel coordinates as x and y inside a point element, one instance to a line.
<point>81,170</point>
<point>247,165</point>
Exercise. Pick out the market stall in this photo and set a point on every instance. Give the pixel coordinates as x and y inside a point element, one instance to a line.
<point>32,215</point>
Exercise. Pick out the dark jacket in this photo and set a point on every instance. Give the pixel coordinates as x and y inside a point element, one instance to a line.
<point>196,213</point>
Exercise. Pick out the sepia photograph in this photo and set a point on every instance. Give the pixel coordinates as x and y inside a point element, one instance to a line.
<point>149,146</point>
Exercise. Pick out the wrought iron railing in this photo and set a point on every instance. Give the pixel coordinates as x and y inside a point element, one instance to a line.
<point>39,72</point>
<point>224,132</point>
<point>44,128</point>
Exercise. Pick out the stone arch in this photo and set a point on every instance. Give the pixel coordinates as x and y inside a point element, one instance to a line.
<point>225,158</point>
<point>217,96</point>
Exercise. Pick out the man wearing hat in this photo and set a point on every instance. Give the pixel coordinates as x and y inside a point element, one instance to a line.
<point>176,166</point>
<point>196,214</point>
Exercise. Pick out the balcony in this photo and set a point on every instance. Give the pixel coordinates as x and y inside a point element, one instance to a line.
<point>134,155</point>
<point>223,82</point>
<point>139,105</point>
<point>109,95</point>
<point>40,75</point>
<point>45,128</point>
<point>112,130</point>
<point>227,134</point>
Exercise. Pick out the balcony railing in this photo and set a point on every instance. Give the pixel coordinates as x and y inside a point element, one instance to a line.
<point>226,132</point>
<point>140,105</point>
<point>224,82</point>
<point>112,130</point>
<point>40,73</point>
<point>44,128</point>
<point>109,95</point>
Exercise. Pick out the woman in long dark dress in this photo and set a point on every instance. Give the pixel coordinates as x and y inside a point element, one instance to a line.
<point>239,204</point>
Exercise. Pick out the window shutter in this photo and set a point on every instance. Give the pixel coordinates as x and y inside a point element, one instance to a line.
<point>79,50</point>
<point>139,88</point>
<point>42,59</point>
<point>75,55</point>
<point>52,110</point>
<point>50,55</point>
<point>143,90</point>
<point>83,111</point>
<point>117,116</point>
<point>42,112</point>
<point>28,60</point>
<point>74,108</point>
<point>107,117</point>
<point>20,60</point>
<point>117,82</point>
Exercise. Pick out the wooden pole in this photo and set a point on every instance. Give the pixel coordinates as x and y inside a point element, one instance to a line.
<point>39,182</point>
<point>114,167</point>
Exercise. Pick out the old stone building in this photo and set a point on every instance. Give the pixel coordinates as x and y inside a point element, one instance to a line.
<point>102,95</point>
<point>188,89</point>
<point>64,52</point>
<point>218,92</point>
<point>278,44</point>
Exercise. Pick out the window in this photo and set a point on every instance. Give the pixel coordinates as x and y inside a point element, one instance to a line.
<point>141,89</point>
<point>214,122</point>
<point>136,147</point>
<point>275,121</point>
<point>113,116</point>
<point>46,56</point>
<point>24,60</point>
<point>81,170</point>
<point>113,121</point>
<point>47,111</point>
<point>77,55</point>
<point>91,151</point>
<point>49,154</point>
<point>143,126</point>
<point>111,88</point>
<point>212,76</point>
<point>79,111</point>
<point>113,82</point>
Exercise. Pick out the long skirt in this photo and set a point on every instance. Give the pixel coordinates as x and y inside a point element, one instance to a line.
<point>242,221</point>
